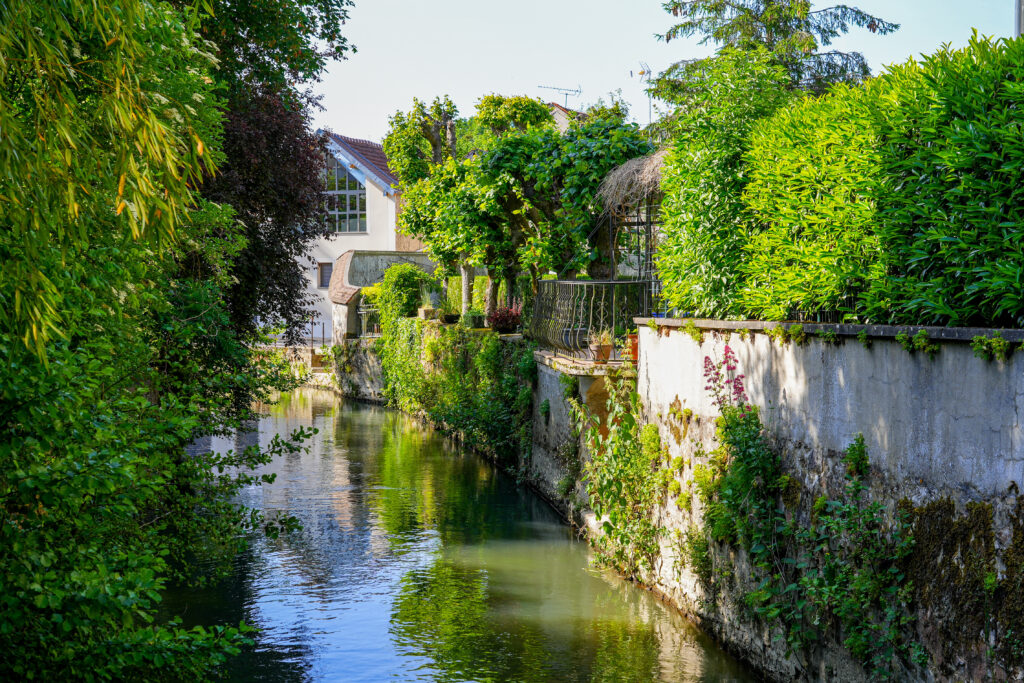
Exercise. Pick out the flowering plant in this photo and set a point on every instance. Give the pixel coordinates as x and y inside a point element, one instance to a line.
<point>506,318</point>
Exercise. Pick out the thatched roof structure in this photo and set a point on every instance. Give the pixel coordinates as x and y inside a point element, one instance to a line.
<point>632,183</point>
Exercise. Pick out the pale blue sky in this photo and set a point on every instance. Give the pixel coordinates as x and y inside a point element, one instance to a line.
<point>468,48</point>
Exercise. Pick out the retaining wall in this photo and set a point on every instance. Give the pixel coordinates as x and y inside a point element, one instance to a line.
<point>944,438</point>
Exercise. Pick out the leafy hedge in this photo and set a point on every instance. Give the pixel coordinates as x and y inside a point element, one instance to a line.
<point>465,381</point>
<point>898,201</point>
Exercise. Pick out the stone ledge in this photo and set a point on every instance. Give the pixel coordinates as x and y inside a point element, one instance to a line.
<point>951,334</point>
<point>577,367</point>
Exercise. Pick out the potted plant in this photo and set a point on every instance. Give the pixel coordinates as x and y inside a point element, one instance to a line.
<point>601,345</point>
<point>506,319</point>
<point>449,314</point>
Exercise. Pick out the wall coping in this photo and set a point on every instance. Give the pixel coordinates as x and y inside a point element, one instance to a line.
<point>576,368</point>
<point>951,334</point>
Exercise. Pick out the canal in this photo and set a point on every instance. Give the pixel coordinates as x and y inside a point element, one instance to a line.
<point>420,561</point>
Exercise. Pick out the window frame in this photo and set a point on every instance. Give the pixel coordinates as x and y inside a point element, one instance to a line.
<point>346,200</point>
<point>320,267</point>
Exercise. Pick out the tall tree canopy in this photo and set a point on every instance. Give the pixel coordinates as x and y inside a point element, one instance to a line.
<point>273,171</point>
<point>789,29</point>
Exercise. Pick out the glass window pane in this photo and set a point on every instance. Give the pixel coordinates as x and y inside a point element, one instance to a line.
<point>325,274</point>
<point>362,224</point>
<point>362,203</point>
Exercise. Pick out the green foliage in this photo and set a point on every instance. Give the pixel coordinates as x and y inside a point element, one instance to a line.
<point>106,119</point>
<point>398,296</point>
<point>465,381</point>
<point>111,121</point>
<point>556,177</point>
<point>868,201</point>
<point>695,333</point>
<point>696,553</point>
<point>989,348</point>
<point>828,336</point>
<point>778,334</point>
<point>788,29</point>
<point>502,114</point>
<point>570,385</point>
<point>622,484</point>
<point>919,342</point>
<point>545,408</point>
<point>864,339</point>
<point>813,246</point>
<point>704,221</point>
<point>844,570</point>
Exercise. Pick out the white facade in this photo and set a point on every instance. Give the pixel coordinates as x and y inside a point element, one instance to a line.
<point>357,186</point>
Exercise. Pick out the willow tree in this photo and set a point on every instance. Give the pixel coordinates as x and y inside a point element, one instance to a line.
<point>90,134</point>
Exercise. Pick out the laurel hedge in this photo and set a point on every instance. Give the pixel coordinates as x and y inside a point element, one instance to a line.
<point>897,201</point>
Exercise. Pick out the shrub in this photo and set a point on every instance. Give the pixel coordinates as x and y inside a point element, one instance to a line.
<point>703,179</point>
<point>506,318</point>
<point>894,202</point>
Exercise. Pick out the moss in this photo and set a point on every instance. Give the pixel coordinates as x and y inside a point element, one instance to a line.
<point>791,489</point>
<point>1009,595</point>
<point>952,555</point>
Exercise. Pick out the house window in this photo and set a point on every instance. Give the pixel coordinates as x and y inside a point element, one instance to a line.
<point>346,199</point>
<point>324,271</point>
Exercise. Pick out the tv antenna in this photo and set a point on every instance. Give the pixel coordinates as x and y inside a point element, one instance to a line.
<point>645,77</point>
<point>575,92</point>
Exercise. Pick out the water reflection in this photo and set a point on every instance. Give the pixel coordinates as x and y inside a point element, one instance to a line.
<point>418,562</point>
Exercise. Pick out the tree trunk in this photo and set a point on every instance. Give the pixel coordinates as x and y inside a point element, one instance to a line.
<point>510,283</point>
<point>493,283</point>
<point>467,287</point>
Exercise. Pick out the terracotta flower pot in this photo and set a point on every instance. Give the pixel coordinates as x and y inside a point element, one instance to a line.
<point>634,346</point>
<point>602,352</point>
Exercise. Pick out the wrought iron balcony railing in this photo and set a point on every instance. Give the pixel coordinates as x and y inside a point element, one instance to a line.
<point>569,315</point>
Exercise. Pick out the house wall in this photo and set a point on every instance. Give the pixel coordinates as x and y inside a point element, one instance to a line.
<point>380,236</point>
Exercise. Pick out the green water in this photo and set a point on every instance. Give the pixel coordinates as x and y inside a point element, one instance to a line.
<point>418,561</point>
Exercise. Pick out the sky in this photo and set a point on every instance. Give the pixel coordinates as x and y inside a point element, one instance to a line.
<point>470,48</point>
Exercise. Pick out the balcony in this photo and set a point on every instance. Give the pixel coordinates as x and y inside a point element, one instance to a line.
<point>569,316</point>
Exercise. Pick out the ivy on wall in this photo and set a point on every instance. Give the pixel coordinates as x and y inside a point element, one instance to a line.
<point>842,571</point>
<point>468,382</point>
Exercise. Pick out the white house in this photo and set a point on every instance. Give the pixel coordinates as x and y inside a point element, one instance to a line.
<point>363,202</point>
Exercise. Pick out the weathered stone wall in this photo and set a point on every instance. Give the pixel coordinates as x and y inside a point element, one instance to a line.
<point>945,442</point>
<point>358,371</point>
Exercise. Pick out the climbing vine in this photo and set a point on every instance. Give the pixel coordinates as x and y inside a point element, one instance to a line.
<point>622,479</point>
<point>468,382</point>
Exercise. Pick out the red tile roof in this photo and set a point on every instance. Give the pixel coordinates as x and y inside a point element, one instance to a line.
<point>369,153</point>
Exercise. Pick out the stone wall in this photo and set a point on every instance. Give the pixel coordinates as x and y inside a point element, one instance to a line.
<point>358,371</point>
<point>945,441</point>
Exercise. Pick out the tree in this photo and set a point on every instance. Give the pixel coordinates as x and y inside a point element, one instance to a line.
<point>448,202</point>
<point>110,119</point>
<point>555,177</point>
<point>74,114</point>
<point>273,171</point>
<point>788,29</point>
<point>272,177</point>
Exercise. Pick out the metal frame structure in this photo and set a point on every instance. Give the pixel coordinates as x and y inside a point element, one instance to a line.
<point>570,315</point>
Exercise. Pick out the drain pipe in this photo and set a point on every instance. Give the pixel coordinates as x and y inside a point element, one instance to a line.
<point>1018,23</point>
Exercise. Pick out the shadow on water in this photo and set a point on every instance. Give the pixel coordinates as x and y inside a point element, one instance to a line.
<point>417,561</point>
